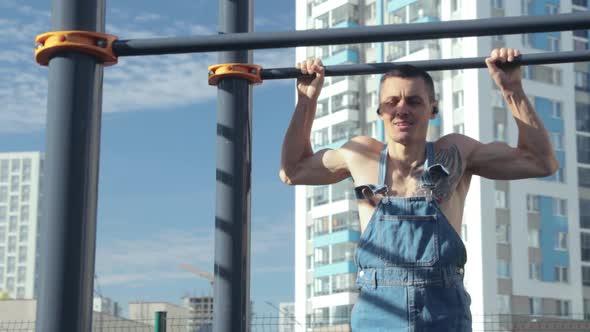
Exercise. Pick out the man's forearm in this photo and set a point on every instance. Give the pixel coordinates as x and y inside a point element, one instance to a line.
<point>532,135</point>
<point>297,144</point>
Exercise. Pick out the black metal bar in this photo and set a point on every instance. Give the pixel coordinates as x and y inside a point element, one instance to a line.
<point>233,175</point>
<point>364,34</point>
<point>430,65</point>
<point>68,229</point>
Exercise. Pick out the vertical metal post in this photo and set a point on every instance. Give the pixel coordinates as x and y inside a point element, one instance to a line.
<point>68,228</point>
<point>160,323</point>
<point>234,153</point>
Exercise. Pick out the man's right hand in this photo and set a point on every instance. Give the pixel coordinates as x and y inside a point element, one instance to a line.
<point>307,87</point>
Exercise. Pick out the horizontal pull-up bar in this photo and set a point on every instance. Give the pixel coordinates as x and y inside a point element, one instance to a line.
<point>353,35</point>
<point>429,65</point>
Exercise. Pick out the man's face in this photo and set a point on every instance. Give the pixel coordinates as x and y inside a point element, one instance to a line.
<point>405,108</point>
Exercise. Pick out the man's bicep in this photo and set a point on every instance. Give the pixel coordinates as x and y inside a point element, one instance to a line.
<point>499,161</point>
<point>326,166</point>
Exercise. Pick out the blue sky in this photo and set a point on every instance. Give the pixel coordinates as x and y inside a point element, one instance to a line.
<point>157,170</point>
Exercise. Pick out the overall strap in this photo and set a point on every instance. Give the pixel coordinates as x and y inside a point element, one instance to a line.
<point>426,176</point>
<point>429,155</point>
<point>382,166</point>
<point>370,190</point>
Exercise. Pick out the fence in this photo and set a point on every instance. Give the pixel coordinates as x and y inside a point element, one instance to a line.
<point>273,323</point>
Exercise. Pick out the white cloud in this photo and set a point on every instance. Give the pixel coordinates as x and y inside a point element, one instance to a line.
<point>159,256</point>
<point>134,84</point>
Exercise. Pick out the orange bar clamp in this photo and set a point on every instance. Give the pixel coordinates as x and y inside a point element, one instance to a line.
<point>243,70</point>
<point>99,45</point>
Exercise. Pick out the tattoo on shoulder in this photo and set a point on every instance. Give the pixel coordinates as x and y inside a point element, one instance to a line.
<point>450,158</point>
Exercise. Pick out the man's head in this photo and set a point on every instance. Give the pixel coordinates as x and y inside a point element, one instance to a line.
<point>406,103</point>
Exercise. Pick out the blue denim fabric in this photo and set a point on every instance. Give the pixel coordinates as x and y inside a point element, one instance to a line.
<point>410,262</point>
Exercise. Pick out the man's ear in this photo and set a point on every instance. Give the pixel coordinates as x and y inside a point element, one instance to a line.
<point>434,109</point>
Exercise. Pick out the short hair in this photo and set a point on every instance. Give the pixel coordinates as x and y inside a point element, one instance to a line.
<point>409,71</point>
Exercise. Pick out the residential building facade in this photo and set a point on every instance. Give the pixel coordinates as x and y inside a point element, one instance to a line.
<point>528,241</point>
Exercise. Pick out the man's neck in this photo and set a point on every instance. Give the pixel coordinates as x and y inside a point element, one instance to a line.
<point>406,158</point>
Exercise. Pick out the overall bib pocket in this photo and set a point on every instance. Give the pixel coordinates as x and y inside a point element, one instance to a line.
<point>408,240</point>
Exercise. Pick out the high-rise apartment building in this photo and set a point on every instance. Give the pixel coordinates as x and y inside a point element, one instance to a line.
<point>20,187</point>
<point>528,241</point>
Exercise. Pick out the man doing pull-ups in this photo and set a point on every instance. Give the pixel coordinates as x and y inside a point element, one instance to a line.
<point>411,192</point>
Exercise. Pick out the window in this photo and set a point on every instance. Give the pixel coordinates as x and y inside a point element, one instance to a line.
<point>583,149</point>
<point>534,271</point>
<point>585,213</point>
<point>11,244</point>
<point>458,100</point>
<point>309,262</point>
<point>11,264</point>
<point>2,234</point>
<point>562,307</point>
<point>343,282</point>
<point>503,303</point>
<point>3,194</point>
<point>20,292</point>
<point>583,179</point>
<point>321,225</point>
<point>320,195</point>
<point>532,203</point>
<point>370,11</point>
<point>556,107</point>
<point>345,220</point>
<point>503,268</point>
<point>582,81</point>
<point>561,274</point>
<point>21,274</point>
<point>22,254</point>
<point>13,204</point>
<point>501,199</point>
<point>464,232</point>
<point>500,131</point>
<point>459,128</point>
<point>25,193</point>
<point>583,117</point>
<point>455,5</point>
<point>534,239</point>
<point>559,207</point>
<point>561,241</point>
<point>557,141</point>
<point>343,252</point>
<point>322,286</point>
<point>14,183</point>
<point>502,233</point>
<point>586,275</point>
<point>320,137</point>
<point>551,9</point>
<point>585,246</point>
<point>24,233</point>
<point>12,224</point>
<point>15,165</point>
<point>535,306</point>
<point>344,13</point>
<point>309,231</point>
<point>321,256</point>
<point>497,4</point>
<point>553,43</point>
<point>341,314</point>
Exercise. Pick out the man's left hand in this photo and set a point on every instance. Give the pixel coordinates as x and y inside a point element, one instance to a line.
<point>508,78</point>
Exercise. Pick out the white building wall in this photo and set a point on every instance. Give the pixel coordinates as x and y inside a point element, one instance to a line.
<point>19,223</point>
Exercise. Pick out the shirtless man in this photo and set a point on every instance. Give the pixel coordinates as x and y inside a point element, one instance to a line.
<point>416,190</point>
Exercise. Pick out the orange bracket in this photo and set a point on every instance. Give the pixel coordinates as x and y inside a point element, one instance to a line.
<point>243,70</point>
<point>99,45</point>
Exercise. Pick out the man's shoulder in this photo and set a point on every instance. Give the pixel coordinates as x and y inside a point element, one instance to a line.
<point>361,145</point>
<point>461,142</point>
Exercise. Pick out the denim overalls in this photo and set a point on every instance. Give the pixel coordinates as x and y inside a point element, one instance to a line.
<point>410,263</point>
